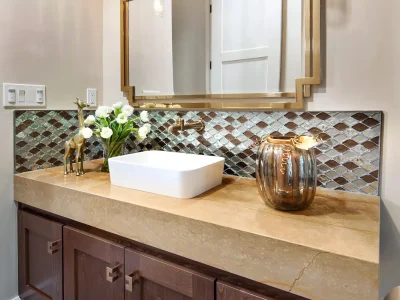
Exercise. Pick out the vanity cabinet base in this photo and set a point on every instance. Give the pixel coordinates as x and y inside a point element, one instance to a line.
<point>63,259</point>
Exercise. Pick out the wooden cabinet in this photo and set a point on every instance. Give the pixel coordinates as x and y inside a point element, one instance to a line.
<point>59,262</point>
<point>229,292</point>
<point>40,255</point>
<point>93,267</point>
<point>148,278</point>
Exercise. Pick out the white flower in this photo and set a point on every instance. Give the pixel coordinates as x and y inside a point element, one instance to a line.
<point>122,118</point>
<point>144,116</point>
<point>87,133</point>
<point>90,120</point>
<point>127,110</point>
<point>106,133</point>
<point>103,112</point>
<point>142,132</point>
<point>118,105</point>
<point>148,126</point>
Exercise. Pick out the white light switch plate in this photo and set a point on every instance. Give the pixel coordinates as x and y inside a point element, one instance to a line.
<point>24,95</point>
<point>10,96</point>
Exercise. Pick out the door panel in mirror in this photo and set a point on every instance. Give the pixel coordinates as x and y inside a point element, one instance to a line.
<point>246,46</point>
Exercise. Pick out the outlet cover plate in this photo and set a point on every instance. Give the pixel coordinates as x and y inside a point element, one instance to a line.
<point>91,97</point>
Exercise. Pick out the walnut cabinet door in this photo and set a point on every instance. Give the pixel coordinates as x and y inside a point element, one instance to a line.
<point>93,267</point>
<point>149,278</point>
<point>40,253</point>
<point>229,292</point>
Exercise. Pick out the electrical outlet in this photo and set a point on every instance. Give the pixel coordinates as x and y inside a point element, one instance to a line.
<point>91,98</point>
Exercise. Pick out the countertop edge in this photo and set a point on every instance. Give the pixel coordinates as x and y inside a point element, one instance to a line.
<point>376,262</point>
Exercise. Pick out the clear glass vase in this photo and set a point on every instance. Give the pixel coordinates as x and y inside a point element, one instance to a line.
<point>111,149</point>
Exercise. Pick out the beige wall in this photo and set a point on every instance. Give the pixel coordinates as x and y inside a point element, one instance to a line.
<point>55,43</point>
<point>363,72</point>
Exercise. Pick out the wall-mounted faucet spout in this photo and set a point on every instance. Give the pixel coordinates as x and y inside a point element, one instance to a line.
<point>181,126</point>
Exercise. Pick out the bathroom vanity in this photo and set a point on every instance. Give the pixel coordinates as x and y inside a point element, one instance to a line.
<point>82,238</point>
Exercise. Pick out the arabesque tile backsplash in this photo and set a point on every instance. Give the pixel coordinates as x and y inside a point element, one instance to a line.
<point>348,160</point>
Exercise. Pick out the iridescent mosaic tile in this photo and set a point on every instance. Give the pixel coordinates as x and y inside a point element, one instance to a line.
<point>40,138</point>
<point>348,160</point>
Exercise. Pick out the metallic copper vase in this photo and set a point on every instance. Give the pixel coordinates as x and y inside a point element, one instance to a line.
<point>287,172</point>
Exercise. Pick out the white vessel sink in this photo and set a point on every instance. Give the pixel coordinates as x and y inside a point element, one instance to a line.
<point>178,175</point>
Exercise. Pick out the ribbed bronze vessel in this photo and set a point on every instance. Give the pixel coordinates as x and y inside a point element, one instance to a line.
<point>286,173</point>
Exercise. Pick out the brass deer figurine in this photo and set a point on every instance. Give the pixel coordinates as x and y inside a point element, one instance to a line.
<point>76,144</point>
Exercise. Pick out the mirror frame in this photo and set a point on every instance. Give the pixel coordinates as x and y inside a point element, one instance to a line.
<point>303,90</point>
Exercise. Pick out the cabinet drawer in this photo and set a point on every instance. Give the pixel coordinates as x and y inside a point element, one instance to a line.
<point>40,252</point>
<point>148,278</point>
<point>93,267</point>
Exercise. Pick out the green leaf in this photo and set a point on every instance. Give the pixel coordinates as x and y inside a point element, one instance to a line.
<point>114,136</point>
<point>103,122</point>
<point>126,126</point>
<point>125,134</point>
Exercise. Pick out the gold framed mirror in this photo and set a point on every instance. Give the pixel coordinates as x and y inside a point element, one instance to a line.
<point>234,91</point>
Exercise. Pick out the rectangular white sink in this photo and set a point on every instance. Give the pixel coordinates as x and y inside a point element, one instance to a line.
<point>178,175</point>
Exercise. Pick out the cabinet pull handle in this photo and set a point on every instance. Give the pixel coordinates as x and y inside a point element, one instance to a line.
<point>53,247</point>
<point>130,279</point>
<point>112,274</point>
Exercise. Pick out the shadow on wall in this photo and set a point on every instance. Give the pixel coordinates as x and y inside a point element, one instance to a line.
<point>389,251</point>
<point>338,12</point>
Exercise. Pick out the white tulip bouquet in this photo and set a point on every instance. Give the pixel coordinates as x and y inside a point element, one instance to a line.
<point>113,126</point>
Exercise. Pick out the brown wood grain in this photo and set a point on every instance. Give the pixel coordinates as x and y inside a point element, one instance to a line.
<point>86,258</point>
<point>157,279</point>
<point>40,274</point>
<point>226,291</point>
<point>232,279</point>
<point>33,296</point>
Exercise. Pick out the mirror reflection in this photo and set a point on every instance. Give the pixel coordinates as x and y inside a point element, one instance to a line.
<point>194,47</point>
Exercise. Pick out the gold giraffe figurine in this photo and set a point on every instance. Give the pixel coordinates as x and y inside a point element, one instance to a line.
<point>76,144</point>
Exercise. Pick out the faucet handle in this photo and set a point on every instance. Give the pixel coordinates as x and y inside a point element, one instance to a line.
<point>181,122</point>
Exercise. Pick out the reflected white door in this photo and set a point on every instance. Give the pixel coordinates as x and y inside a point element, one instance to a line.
<point>246,46</point>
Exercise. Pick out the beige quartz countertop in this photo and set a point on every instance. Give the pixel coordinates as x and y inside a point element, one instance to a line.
<point>329,251</point>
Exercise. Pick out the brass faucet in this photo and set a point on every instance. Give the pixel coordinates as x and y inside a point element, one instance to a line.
<point>181,126</point>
